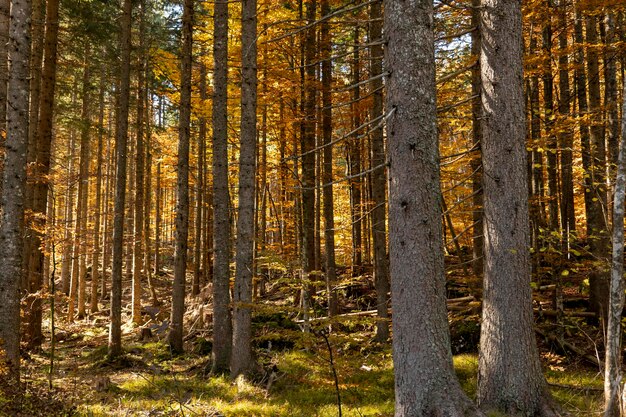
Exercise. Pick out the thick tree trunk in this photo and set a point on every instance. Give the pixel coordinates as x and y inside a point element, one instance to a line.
<point>242,361</point>
<point>175,337</point>
<point>14,180</point>
<point>222,325</point>
<point>425,383</point>
<point>510,376</point>
<point>121,141</point>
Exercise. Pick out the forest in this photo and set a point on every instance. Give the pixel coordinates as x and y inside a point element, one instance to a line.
<point>312,208</point>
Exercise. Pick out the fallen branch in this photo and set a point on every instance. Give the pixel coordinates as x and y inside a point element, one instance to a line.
<point>566,345</point>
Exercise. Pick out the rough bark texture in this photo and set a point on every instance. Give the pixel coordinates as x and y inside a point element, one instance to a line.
<point>242,361</point>
<point>379,180</point>
<point>11,229</point>
<point>199,220</point>
<point>425,383</point>
<point>5,5</point>
<point>121,140</point>
<point>510,377</point>
<point>175,336</point>
<point>222,326</point>
<point>613,356</point>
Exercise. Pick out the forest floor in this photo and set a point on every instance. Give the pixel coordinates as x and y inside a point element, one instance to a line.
<point>300,380</point>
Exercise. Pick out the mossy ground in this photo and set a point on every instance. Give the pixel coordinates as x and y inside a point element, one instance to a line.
<point>149,381</point>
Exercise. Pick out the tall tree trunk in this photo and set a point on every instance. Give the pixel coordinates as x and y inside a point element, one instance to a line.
<point>242,361</point>
<point>551,144</point>
<point>425,383</point>
<point>565,136</point>
<point>121,141</point>
<point>68,242</point>
<point>613,356</point>
<point>610,88</point>
<point>327,168</point>
<point>158,220</point>
<point>354,162</point>
<point>12,227</point>
<point>175,337</point>
<point>197,247</point>
<point>95,268</point>
<point>44,111</point>
<point>510,376</point>
<point>83,187</point>
<point>222,325</point>
<point>379,178</point>
<point>476,164</point>
<point>138,235</point>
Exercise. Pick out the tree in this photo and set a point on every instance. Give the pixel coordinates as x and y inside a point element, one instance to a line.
<point>425,383</point>
<point>613,356</point>
<point>121,140</point>
<point>510,377</point>
<point>242,361</point>
<point>222,325</point>
<point>14,182</point>
<point>175,337</point>
<point>379,178</point>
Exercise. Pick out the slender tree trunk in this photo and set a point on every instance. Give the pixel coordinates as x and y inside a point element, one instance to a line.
<point>175,337</point>
<point>41,117</point>
<point>551,143</point>
<point>83,187</point>
<point>197,257</point>
<point>66,266</point>
<point>138,235</point>
<point>327,168</point>
<point>476,164</point>
<point>425,383</point>
<point>354,162</point>
<point>222,325</point>
<point>610,88</point>
<point>242,361</point>
<point>106,239</point>
<point>510,376</point>
<point>565,136</point>
<point>95,267</point>
<point>121,141</point>
<point>158,220</point>
<point>12,226</point>
<point>379,179</point>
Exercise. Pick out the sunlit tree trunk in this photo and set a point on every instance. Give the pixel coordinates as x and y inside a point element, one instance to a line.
<point>242,361</point>
<point>510,378</point>
<point>14,180</point>
<point>175,337</point>
<point>121,141</point>
<point>425,383</point>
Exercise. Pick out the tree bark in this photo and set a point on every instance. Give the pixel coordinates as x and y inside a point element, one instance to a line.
<point>242,361</point>
<point>327,168</point>
<point>379,178</point>
<point>95,268</point>
<point>121,141</point>
<point>613,355</point>
<point>510,376</point>
<point>5,6</point>
<point>222,325</point>
<point>138,235</point>
<point>175,337</point>
<point>12,227</point>
<point>425,383</point>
